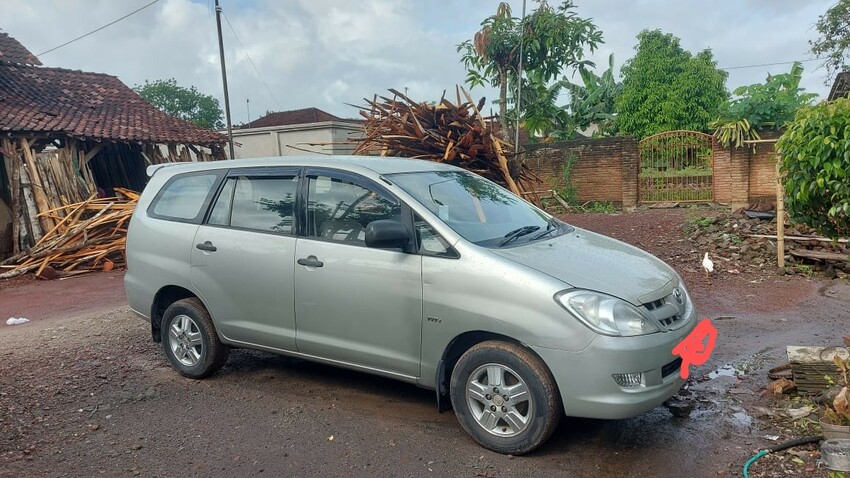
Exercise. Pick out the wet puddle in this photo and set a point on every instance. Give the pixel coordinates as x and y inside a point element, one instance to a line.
<point>742,419</point>
<point>741,367</point>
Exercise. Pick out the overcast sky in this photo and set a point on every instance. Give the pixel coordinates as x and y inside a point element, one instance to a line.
<point>326,53</point>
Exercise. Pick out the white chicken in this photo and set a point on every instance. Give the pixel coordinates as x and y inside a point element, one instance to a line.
<point>707,265</point>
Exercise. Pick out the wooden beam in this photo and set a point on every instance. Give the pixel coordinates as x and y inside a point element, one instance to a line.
<point>37,185</point>
<point>503,161</point>
<point>828,256</point>
<point>90,154</point>
<point>10,156</point>
<point>801,238</point>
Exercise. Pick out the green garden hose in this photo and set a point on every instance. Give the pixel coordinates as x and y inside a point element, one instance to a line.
<point>781,446</point>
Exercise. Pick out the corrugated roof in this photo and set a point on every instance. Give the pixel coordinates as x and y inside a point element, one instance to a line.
<point>841,86</point>
<point>87,106</point>
<point>11,51</point>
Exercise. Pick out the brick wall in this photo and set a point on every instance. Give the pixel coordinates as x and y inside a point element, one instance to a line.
<point>762,186</point>
<point>605,168</point>
<point>743,177</point>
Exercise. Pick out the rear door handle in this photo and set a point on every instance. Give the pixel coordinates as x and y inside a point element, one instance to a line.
<point>310,261</point>
<point>206,246</point>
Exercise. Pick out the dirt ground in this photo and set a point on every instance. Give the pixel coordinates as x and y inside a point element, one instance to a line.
<point>84,392</point>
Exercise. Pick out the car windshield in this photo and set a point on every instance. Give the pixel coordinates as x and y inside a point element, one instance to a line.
<point>477,209</point>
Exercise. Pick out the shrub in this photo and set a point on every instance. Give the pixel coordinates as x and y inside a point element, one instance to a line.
<point>815,155</point>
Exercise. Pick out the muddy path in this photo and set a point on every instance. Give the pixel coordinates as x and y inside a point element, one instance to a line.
<point>84,392</point>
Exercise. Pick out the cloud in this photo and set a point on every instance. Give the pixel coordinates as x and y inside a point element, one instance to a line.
<point>326,53</point>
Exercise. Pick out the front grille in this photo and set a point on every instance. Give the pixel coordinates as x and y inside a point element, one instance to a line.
<point>654,304</point>
<point>670,320</point>
<point>669,311</point>
<point>671,367</point>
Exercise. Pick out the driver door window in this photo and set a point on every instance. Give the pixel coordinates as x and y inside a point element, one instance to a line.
<point>339,210</point>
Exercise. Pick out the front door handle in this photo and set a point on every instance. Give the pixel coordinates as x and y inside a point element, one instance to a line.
<point>310,261</point>
<point>206,246</point>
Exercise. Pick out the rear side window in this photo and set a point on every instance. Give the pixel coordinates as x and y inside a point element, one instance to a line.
<point>264,204</point>
<point>183,197</point>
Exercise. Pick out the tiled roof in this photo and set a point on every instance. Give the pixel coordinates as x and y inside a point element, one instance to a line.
<point>11,51</point>
<point>87,106</point>
<point>841,86</point>
<point>302,116</point>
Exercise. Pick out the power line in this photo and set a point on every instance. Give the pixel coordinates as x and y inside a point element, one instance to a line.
<point>245,51</point>
<point>771,64</point>
<point>98,29</point>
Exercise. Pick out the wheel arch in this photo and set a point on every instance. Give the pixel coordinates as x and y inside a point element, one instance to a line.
<point>165,297</point>
<point>455,349</point>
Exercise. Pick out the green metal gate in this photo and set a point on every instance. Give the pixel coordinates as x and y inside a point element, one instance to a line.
<point>676,166</point>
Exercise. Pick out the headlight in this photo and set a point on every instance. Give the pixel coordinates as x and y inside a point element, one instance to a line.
<point>605,314</point>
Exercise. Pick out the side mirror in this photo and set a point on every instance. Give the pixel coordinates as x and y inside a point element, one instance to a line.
<point>386,234</point>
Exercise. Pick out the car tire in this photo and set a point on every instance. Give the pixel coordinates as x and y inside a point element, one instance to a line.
<point>190,341</point>
<point>482,379</point>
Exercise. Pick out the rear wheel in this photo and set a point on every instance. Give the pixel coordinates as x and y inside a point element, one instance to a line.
<point>190,341</point>
<point>505,397</point>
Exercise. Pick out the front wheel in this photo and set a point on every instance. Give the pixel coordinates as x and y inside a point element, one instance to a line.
<point>190,341</point>
<point>505,397</point>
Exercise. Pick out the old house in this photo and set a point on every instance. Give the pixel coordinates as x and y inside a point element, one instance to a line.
<point>66,135</point>
<point>303,131</point>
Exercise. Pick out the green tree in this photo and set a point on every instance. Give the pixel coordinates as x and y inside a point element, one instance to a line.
<point>181,102</point>
<point>592,101</point>
<point>815,154</point>
<point>762,106</point>
<point>553,40</point>
<point>834,40</point>
<point>667,88</point>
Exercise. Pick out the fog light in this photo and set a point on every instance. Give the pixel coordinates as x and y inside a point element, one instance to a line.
<point>627,380</point>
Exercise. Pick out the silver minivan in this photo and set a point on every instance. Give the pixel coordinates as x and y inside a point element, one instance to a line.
<point>413,270</point>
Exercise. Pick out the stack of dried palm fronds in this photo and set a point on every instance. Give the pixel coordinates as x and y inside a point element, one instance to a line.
<point>88,235</point>
<point>452,133</point>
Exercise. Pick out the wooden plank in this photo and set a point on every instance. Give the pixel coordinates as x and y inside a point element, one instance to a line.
<point>37,186</point>
<point>10,158</point>
<point>31,211</point>
<point>801,238</point>
<point>829,256</point>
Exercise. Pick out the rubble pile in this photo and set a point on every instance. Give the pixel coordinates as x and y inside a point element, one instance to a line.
<point>739,244</point>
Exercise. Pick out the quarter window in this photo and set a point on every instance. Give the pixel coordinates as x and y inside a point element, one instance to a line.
<point>431,243</point>
<point>340,210</point>
<point>183,197</point>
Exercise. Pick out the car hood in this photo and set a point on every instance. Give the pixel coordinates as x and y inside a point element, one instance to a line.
<point>587,260</point>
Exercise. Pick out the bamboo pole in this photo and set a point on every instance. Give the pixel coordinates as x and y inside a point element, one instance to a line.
<point>780,216</point>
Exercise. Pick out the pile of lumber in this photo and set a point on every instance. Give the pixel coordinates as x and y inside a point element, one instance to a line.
<point>88,235</point>
<point>453,133</point>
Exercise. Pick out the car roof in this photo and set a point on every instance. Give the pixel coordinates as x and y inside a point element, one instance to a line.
<point>358,164</point>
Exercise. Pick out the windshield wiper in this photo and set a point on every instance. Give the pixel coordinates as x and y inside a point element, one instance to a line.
<point>518,232</point>
<point>551,227</point>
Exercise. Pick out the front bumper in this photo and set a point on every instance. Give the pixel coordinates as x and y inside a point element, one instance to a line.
<point>585,378</point>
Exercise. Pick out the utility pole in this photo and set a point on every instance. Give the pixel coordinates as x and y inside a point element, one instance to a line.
<point>518,79</point>
<point>224,79</point>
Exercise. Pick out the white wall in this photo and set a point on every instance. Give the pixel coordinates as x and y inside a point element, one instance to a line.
<point>293,140</point>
